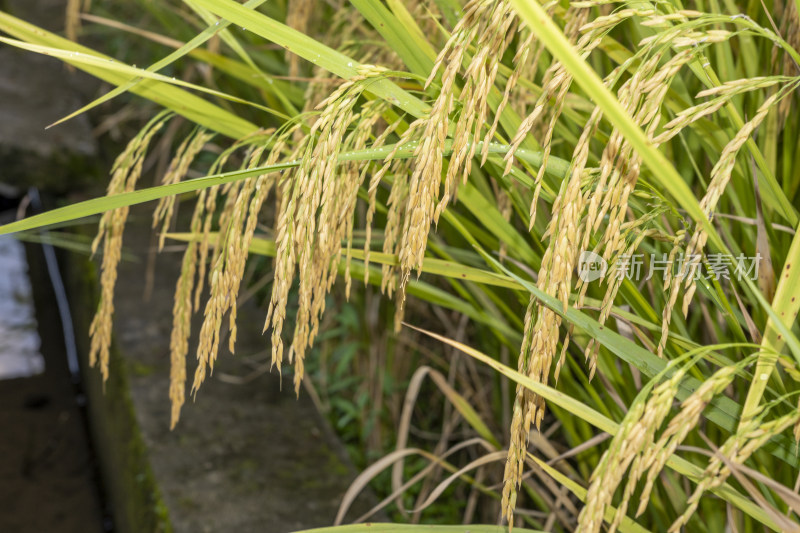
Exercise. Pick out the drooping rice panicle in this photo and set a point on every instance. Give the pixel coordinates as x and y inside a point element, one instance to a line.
<point>178,167</point>
<point>736,449</point>
<point>491,24</point>
<point>124,174</point>
<point>492,42</point>
<point>396,205</point>
<point>656,455</point>
<point>190,281</point>
<point>210,197</point>
<point>357,140</point>
<point>400,170</point>
<point>182,309</point>
<point>636,433</point>
<point>557,82</point>
<point>242,234</point>
<point>237,221</point>
<point>541,333</point>
<point>540,330</point>
<point>314,217</point>
<point>722,95</point>
<point>720,176</point>
<point>525,59</point>
<point>643,94</point>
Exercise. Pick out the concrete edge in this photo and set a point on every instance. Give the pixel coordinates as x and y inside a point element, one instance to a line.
<point>131,489</point>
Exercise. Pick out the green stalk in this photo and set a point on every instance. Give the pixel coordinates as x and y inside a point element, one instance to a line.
<point>555,167</point>
<point>786,304</point>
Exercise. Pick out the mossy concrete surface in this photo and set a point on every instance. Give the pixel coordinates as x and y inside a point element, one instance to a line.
<point>129,486</point>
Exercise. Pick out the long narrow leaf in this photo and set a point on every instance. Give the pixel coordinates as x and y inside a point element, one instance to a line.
<point>555,166</point>
<point>786,304</point>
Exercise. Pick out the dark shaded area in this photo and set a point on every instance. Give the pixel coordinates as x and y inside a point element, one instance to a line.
<point>35,91</point>
<point>48,476</point>
<point>46,471</point>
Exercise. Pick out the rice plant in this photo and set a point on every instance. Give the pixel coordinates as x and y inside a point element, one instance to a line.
<point>561,174</point>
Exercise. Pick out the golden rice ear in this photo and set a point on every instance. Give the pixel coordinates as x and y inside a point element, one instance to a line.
<point>490,25</point>
<point>205,211</point>
<point>527,56</point>
<point>195,259</point>
<point>540,341</point>
<point>636,434</point>
<point>396,205</point>
<point>655,456</point>
<point>577,216</point>
<point>400,169</point>
<point>182,310</point>
<point>555,86</point>
<point>541,331</point>
<point>720,176</point>
<point>735,451</point>
<point>125,173</point>
<point>178,167</point>
<point>238,222</point>
<point>316,211</point>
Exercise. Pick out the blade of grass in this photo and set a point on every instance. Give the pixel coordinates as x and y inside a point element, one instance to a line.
<point>230,66</point>
<point>108,64</point>
<point>231,41</point>
<point>397,36</point>
<point>555,166</point>
<point>196,41</point>
<point>311,50</point>
<point>410,23</point>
